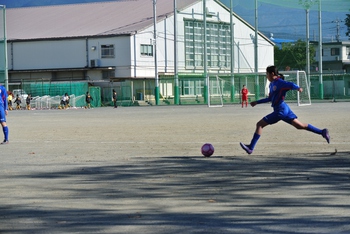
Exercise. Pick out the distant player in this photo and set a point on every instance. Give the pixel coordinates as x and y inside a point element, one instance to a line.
<point>114,98</point>
<point>67,100</point>
<point>28,99</point>
<point>244,93</point>
<point>3,113</point>
<point>281,110</point>
<point>18,102</point>
<point>9,100</point>
<point>88,100</point>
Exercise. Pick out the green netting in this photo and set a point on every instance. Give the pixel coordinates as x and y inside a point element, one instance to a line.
<point>53,91</point>
<point>327,5</point>
<point>95,93</point>
<point>42,88</point>
<point>124,97</point>
<point>192,89</point>
<point>335,86</point>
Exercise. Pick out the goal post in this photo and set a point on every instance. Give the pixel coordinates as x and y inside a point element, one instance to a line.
<point>299,78</point>
<point>219,87</point>
<point>215,91</point>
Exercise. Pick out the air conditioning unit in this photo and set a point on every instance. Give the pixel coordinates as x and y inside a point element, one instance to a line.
<point>210,13</point>
<point>94,63</point>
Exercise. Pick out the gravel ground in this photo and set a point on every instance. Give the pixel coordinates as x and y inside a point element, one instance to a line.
<point>140,170</point>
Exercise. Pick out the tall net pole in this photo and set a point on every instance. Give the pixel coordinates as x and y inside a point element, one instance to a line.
<point>156,89</point>
<point>3,49</point>
<point>257,87</point>
<point>320,48</point>
<point>176,72</point>
<point>232,53</point>
<point>205,59</point>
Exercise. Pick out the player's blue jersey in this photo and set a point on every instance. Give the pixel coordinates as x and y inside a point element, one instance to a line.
<point>3,98</point>
<point>278,89</point>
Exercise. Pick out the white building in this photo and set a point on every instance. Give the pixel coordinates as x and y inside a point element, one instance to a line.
<point>100,41</point>
<point>335,56</point>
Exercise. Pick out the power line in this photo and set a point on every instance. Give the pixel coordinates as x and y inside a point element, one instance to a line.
<point>337,21</point>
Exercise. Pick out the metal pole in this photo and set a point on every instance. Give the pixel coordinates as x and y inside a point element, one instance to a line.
<point>320,49</point>
<point>308,46</point>
<point>257,88</point>
<point>232,53</point>
<point>156,90</point>
<point>5,48</point>
<point>205,59</point>
<point>176,72</point>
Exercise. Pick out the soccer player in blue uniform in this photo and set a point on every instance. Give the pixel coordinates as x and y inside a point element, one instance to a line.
<point>281,111</point>
<point>3,113</point>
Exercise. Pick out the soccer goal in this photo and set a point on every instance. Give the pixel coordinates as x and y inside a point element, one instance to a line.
<point>214,92</point>
<point>299,78</point>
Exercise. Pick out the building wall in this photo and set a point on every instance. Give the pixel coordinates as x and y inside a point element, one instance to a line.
<point>121,60</point>
<point>243,33</point>
<point>335,62</point>
<point>244,47</point>
<point>75,54</point>
<point>51,54</point>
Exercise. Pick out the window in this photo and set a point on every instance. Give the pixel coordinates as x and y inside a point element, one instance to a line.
<point>106,75</point>
<point>218,44</point>
<point>146,50</point>
<point>107,51</point>
<point>335,51</point>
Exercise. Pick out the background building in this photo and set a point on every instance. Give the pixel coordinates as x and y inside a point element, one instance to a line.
<point>112,45</point>
<point>335,56</point>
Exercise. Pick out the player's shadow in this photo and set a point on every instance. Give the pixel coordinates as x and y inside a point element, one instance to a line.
<point>186,195</point>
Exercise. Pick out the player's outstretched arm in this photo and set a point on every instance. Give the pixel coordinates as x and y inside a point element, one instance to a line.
<point>253,103</point>
<point>300,89</point>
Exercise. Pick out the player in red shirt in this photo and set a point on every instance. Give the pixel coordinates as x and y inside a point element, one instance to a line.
<point>244,93</point>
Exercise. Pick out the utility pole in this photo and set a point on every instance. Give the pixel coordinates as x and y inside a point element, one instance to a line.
<point>338,28</point>
<point>307,4</point>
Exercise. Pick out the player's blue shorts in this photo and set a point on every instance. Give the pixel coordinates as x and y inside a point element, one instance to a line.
<point>280,112</point>
<point>2,115</point>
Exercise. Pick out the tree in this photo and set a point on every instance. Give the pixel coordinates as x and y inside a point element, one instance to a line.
<point>347,23</point>
<point>293,55</point>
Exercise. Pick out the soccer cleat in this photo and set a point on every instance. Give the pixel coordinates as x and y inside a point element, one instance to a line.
<point>246,148</point>
<point>325,134</point>
<point>4,142</point>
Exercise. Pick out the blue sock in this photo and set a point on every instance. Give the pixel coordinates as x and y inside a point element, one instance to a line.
<point>6,133</point>
<point>254,141</point>
<point>313,129</point>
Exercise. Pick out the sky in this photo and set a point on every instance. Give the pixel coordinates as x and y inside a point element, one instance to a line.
<point>282,22</point>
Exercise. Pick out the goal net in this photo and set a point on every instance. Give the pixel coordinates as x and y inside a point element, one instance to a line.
<point>299,78</point>
<point>215,91</point>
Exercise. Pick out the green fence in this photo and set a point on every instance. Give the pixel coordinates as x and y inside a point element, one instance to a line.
<point>192,89</point>
<point>46,91</point>
<point>334,86</point>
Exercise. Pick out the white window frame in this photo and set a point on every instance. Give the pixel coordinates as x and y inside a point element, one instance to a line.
<point>218,44</point>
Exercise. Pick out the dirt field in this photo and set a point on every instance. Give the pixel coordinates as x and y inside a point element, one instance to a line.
<point>140,170</point>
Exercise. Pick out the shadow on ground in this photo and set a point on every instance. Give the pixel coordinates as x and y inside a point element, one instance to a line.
<point>252,194</point>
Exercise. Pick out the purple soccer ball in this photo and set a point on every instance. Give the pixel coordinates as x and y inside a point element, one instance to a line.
<point>207,150</point>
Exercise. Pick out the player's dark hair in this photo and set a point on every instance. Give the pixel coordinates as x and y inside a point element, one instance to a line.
<point>272,69</point>
<point>281,76</point>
